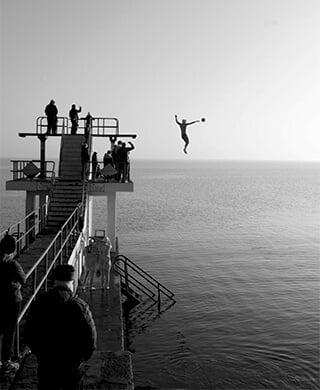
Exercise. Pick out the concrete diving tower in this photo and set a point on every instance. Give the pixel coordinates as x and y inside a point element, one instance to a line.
<point>66,189</point>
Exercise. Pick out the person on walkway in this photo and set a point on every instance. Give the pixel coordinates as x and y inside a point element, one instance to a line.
<point>85,158</point>
<point>61,333</point>
<point>52,117</point>
<point>183,127</point>
<point>94,162</point>
<point>12,277</point>
<point>74,117</point>
<point>124,161</point>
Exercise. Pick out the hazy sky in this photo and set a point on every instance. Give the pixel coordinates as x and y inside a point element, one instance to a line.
<point>251,67</point>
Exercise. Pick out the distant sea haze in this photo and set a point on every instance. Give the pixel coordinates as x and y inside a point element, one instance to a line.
<point>238,243</point>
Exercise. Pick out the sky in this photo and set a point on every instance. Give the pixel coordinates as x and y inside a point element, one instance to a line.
<point>250,67</point>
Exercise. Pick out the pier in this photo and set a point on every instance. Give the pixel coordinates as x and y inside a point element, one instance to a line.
<point>56,229</point>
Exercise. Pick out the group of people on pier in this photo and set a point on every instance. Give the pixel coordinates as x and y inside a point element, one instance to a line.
<point>59,329</point>
<point>116,158</point>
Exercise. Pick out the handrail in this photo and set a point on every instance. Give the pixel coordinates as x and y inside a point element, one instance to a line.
<point>127,263</point>
<point>42,123</point>
<point>28,227</point>
<point>100,125</point>
<point>56,250</point>
<point>141,287</point>
<point>19,165</point>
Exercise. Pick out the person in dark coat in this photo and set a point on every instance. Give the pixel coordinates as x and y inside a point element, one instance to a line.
<point>52,117</point>
<point>12,278</point>
<point>61,333</point>
<point>74,117</point>
<point>107,159</point>
<point>88,125</point>
<point>94,162</point>
<point>85,158</point>
<point>124,161</point>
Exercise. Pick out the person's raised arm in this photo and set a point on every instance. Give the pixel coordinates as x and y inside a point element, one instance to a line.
<point>176,118</point>
<point>132,146</point>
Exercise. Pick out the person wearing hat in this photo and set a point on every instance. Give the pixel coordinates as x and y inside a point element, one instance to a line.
<point>52,117</point>
<point>12,277</point>
<point>61,333</point>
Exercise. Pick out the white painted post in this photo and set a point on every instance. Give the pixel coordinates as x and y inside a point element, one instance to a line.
<point>42,212</point>
<point>89,215</point>
<point>30,222</point>
<point>30,202</point>
<point>111,221</point>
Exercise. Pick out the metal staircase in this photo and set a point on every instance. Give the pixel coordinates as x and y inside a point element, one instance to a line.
<point>70,157</point>
<point>68,190</point>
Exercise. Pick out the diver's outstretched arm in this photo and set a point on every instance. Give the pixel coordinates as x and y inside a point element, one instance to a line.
<point>191,123</point>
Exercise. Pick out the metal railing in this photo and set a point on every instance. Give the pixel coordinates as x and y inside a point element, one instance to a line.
<point>18,167</point>
<point>26,230</point>
<point>57,251</point>
<point>135,278</point>
<point>42,125</point>
<point>100,126</point>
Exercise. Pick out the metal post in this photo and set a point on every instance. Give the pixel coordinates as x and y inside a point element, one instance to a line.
<point>89,215</point>
<point>126,276</point>
<point>159,297</point>
<point>18,241</point>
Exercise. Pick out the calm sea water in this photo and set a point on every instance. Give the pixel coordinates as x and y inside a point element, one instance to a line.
<point>239,245</point>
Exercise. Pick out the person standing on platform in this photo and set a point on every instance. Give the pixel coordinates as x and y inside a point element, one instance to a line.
<point>94,162</point>
<point>85,158</point>
<point>124,162</point>
<point>12,277</point>
<point>74,117</point>
<point>52,117</point>
<point>114,153</point>
<point>61,333</point>
<point>87,125</point>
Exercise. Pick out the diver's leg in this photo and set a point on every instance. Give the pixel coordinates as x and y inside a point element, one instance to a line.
<point>186,140</point>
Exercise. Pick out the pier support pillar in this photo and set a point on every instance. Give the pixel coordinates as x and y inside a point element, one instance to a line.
<point>111,221</point>
<point>30,202</point>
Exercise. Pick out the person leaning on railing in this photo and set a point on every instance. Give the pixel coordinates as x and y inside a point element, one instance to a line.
<point>12,277</point>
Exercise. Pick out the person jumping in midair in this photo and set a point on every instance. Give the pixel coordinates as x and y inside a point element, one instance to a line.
<point>183,127</point>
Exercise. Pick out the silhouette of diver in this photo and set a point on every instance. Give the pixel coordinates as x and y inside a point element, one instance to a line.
<point>183,127</point>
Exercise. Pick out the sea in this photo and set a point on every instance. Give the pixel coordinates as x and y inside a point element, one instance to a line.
<point>239,245</point>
